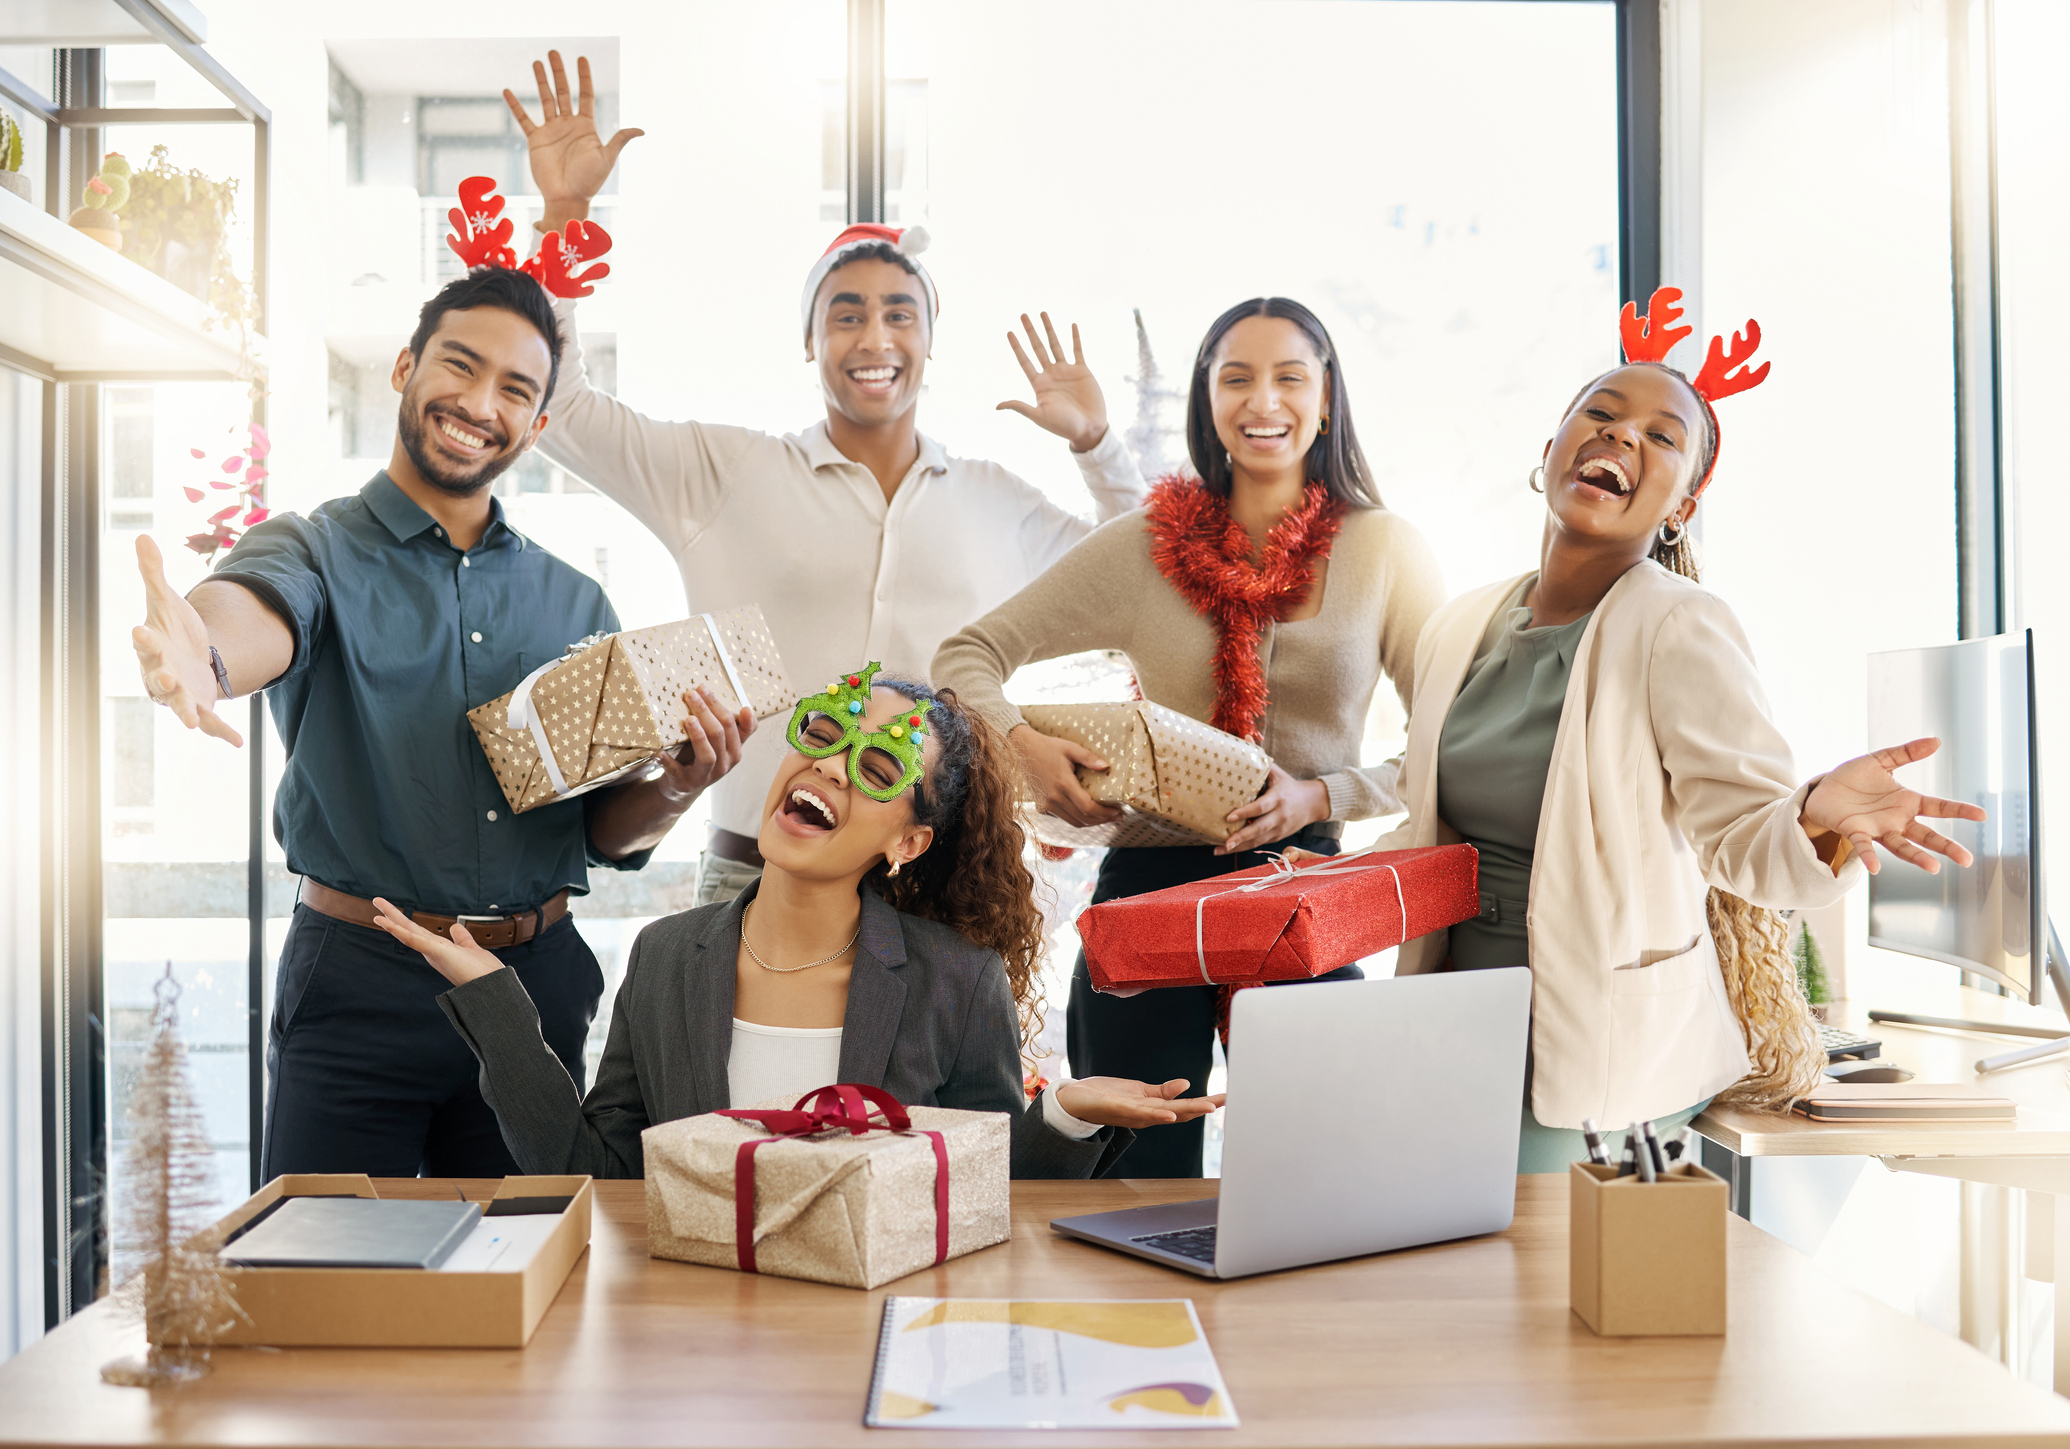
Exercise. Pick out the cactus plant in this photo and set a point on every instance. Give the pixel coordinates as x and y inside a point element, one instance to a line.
<point>11,175</point>
<point>107,192</point>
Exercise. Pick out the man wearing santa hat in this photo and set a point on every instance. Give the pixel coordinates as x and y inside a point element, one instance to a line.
<point>860,537</point>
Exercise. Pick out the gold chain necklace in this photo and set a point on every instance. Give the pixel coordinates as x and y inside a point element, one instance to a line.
<point>786,970</point>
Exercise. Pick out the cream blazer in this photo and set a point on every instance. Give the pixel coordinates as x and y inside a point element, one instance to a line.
<point>1667,776</point>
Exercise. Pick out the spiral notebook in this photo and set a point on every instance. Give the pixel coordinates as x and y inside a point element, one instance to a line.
<point>1032,1363</point>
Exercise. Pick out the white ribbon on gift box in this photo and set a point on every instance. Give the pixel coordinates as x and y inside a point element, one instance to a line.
<point>1283,870</point>
<point>524,715</point>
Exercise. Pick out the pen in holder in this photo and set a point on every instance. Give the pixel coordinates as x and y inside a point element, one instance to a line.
<point>1646,1257</point>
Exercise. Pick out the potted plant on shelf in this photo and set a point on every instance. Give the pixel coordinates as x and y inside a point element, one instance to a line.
<point>177,223</point>
<point>11,176</point>
<point>106,194</point>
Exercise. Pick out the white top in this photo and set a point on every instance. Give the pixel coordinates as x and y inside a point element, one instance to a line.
<point>772,1062</point>
<point>875,580</point>
<point>768,1062</point>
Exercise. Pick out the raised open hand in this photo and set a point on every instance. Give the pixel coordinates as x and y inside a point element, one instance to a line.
<point>1119,1102</point>
<point>458,960</point>
<point>1068,400</point>
<point>569,163</point>
<point>172,651</point>
<point>1863,801</point>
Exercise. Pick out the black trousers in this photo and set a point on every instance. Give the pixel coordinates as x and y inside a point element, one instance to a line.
<point>1169,1032</point>
<point>367,1073</point>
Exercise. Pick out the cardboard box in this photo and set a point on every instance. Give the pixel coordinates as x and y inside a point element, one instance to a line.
<point>401,1307</point>
<point>1174,777</point>
<point>1647,1257</point>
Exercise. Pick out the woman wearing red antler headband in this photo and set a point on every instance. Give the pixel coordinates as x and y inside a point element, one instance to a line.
<point>1596,728</point>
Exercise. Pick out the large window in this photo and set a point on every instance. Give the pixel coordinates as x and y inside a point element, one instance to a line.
<point>2033,217</point>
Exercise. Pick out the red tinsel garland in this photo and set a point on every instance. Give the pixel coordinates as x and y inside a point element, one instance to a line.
<point>1206,556</point>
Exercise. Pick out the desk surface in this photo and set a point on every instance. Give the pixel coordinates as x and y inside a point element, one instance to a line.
<point>1462,1343</point>
<point>1890,982</point>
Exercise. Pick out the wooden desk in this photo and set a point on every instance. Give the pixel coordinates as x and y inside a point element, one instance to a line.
<point>1468,1342</point>
<point>2030,1153</point>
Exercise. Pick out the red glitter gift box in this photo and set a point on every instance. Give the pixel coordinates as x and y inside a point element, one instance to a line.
<point>1278,923</point>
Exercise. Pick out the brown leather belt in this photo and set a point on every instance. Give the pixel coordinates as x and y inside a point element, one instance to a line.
<point>491,932</point>
<point>732,845</point>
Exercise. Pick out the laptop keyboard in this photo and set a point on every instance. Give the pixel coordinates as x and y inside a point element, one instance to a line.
<point>1195,1243</point>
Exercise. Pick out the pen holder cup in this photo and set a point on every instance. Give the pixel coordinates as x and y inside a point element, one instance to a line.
<point>1646,1257</point>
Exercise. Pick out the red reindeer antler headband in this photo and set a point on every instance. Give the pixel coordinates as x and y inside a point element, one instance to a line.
<point>484,241</point>
<point>1651,338</point>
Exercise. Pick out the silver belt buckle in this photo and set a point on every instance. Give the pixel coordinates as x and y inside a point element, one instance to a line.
<point>487,918</point>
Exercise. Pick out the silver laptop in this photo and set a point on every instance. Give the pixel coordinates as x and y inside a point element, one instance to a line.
<point>1363,1116</point>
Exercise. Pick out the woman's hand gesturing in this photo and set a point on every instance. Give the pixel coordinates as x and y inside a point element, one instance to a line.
<point>1863,801</point>
<point>458,960</point>
<point>1118,1102</point>
<point>1068,400</point>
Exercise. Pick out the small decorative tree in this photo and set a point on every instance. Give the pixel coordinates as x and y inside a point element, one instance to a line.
<point>1153,430</point>
<point>168,1178</point>
<point>1811,971</point>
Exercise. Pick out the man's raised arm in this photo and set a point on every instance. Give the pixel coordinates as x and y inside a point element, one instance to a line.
<point>174,645</point>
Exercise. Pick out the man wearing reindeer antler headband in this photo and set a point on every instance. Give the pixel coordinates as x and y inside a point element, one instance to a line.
<point>376,623</point>
<point>906,543</point>
<point>1597,730</point>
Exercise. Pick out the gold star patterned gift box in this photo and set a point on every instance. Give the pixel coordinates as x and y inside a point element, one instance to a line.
<point>614,702</point>
<point>1174,777</point>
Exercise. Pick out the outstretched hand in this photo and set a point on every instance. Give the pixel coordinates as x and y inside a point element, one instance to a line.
<point>1863,801</point>
<point>1068,400</point>
<point>1118,1102</point>
<point>458,960</point>
<point>569,163</point>
<point>172,650</point>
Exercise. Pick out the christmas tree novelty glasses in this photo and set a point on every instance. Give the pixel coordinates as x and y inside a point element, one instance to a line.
<point>882,763</point>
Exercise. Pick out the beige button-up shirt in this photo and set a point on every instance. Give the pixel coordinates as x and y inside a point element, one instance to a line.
<point>793,526</point>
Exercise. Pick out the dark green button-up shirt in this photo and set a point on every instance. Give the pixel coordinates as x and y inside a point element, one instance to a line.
<point>397,635</point>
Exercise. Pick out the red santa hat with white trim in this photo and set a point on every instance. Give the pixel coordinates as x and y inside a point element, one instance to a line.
<point>908,242</point>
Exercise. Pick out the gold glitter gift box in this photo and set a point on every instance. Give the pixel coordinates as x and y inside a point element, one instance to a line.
<point>825,1205</point>
<point>615,702</point>
<point>1174,777</point>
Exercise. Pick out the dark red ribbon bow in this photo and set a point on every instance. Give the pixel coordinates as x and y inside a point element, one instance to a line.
<point>845,1106</point>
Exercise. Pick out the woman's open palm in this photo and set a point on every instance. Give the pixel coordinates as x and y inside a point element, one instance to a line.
<point>1864,801</point>
<point>459,960</point>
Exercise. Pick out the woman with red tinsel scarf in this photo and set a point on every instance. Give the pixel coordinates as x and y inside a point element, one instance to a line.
<point>1265,593</point>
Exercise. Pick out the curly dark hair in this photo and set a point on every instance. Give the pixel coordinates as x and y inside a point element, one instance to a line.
<point>972,878</point>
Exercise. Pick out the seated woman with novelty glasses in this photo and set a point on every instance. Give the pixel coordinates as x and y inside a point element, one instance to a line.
<point>892,941</point>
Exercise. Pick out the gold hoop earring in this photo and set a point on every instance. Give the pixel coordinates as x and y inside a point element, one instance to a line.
<point>894,870</point>
<point>1323,431</point>
<point>1535,479</point>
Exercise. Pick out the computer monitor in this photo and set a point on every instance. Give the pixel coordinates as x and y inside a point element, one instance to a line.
<point>1977,697</point>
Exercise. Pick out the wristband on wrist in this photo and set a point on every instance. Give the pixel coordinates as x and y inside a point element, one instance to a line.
<point>215,662</point>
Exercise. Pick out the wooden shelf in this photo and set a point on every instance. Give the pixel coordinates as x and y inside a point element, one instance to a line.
<point>71,310</point>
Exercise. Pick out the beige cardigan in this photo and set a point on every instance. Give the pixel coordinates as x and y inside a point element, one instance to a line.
<point>1667,775</point>
<point>1106,593</point>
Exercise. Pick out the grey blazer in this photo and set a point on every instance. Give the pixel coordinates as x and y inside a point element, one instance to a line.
<point>930,1019</point>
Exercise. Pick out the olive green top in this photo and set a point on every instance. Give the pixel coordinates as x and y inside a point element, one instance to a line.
<point>1492,761</point>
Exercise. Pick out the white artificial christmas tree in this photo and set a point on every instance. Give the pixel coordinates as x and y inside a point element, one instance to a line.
<point>168,1182</point>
